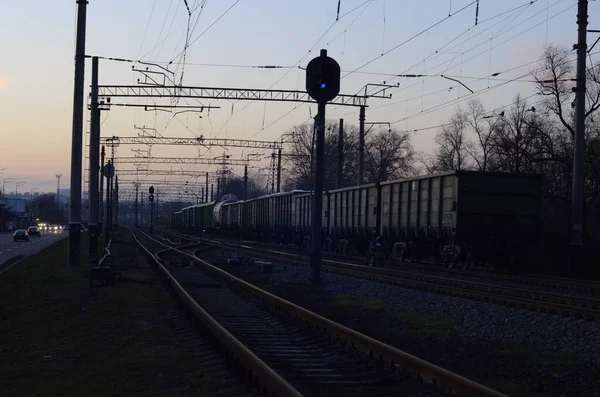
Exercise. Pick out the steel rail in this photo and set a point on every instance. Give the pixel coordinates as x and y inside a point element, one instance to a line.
<point>444,379</point>
<point>545,302</point>
<point>530,279</point>
<point>589,286</point>
<point>266,375</point>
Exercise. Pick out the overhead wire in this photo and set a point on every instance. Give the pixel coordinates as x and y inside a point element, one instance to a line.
<point>146,30</point>
<point>439,52</point>
<point>497,45</point>
<point>367,2</point>
<point>470,96</point>
<point>208,28</point>
<point>169,33</point>
<point>411,38</point>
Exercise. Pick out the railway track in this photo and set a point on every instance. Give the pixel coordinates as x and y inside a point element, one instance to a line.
<point>546,302</point>
<point>293,351</point>
<point>558,283</point>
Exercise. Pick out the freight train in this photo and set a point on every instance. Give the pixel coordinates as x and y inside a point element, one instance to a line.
<point>455,218</point>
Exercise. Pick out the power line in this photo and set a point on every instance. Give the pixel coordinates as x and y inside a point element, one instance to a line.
<point>501,43</point>
<point>437,53</point>
<point>367,2</point>
<point>170,32</point>
<point>410,39</point>
<point>161,28</point>
<point>146,31</point>
<point>207,29</point>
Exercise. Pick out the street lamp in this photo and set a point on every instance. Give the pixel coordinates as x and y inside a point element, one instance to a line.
<point>3,186</point>
<point>17,184</point>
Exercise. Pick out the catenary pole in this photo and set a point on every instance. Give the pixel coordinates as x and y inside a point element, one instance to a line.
<point>577,201</point>
<point>93,166</point>
<point>77,140</point>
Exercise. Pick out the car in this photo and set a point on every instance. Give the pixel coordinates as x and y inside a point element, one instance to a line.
<point>34,231</point>
<point>21,235</point>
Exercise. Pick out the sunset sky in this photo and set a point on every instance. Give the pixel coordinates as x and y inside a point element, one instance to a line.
<point>37,67</point>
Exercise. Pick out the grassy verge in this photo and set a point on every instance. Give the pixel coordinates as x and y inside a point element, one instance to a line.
<point>409,324</point>
<point>423,325</point>
<point>57,339</point>
<point>351,300</point>
<point>10,262</point>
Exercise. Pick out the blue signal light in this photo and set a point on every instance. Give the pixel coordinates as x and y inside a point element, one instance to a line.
<point>323,86</point>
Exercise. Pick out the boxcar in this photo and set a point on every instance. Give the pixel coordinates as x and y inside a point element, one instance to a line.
<point>283,212</point>
<point>176,220</point>
<point>351,218</point>
<point>232,220</point>
<point>461,216</point>
<point>262,217</point>
<point>303,216</point>
<point>187,220</point>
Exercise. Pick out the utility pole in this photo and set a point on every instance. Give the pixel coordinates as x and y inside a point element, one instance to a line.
<point>317,202</point>
<point>361,145</point>
<point>77,139</point>
<point>322,84</point>
<point>141,210</point>
<point>245,182</point>
<point>116,214</point>
<point>278,170</point>
<point>137,186</point>
<point>151,202</point>
<point>272,173</point>
<point>202,195</point>
<point>218,187</point>
<point>577,201</point>
<point>109,172</point>
<point>340,166</point>
<point>101,194</point>
<point>94,160</point>
<point>58,176</point>
<point>212,192</point>
<point>206,188</point>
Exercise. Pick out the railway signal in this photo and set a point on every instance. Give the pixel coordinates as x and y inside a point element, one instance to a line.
<point>323,85</point>
<point>323,78</point>
<point>151,199</point>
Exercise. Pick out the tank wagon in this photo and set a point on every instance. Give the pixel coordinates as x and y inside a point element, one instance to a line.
<point>456,218</point>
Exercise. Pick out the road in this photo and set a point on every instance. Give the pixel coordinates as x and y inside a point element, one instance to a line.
<point>10,249</point>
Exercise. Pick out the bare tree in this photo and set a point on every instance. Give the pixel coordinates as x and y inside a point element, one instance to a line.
<point>389,155</point>
<point>553,82</point>
<point>452,142</point>
<point>517,137</point>
<point>481,149</point>
<point>300,162</point>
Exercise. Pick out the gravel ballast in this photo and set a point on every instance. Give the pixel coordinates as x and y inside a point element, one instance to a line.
<point>518,352</point>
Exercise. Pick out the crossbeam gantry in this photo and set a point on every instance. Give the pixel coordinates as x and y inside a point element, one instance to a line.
<point>247,94</point>
<point>179,160</point>
<point>201,141</point>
